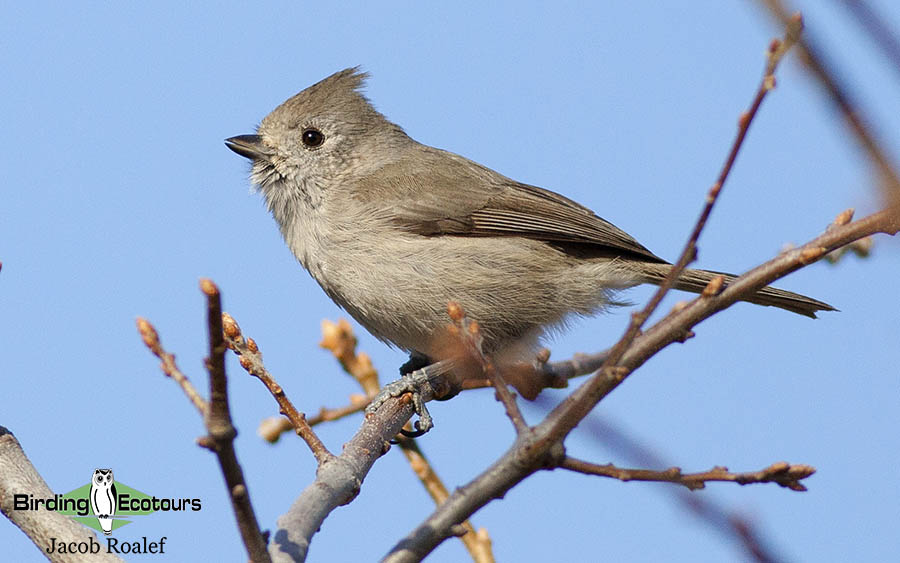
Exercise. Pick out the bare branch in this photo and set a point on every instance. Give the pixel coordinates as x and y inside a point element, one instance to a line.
<point>783,473</point>
<point>151,340</point>
<point>732,525</point>
<point>271,429</point>
<point>341,341</point>
<point>777,50</point>
<point>222,432</point>
<point>874,24</point>
<point>469,335</point>
<point>812,57</point>
<point>478,543</point>
<point>338,480</point>
<point>357,404</point>
<point>670,328</point>
<point>251,360</point>
<point>554,375</point>
<point>338,338</point>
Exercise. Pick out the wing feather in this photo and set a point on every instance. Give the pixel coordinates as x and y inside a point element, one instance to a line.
<point>450,195</point>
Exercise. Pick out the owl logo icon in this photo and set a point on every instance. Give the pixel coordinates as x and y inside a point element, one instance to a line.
<point>103,498</point>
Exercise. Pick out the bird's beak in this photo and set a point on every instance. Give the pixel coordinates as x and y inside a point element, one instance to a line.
<point>248,146</point>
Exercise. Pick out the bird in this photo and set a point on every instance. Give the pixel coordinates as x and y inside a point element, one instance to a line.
<point>393,230</point>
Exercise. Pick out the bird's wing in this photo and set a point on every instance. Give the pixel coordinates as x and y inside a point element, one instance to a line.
<point>449,195</point>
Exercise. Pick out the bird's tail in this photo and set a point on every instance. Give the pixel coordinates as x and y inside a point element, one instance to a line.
<point>696,280</point>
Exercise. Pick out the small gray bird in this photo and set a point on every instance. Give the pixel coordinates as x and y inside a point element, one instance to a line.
<point>394,230</point>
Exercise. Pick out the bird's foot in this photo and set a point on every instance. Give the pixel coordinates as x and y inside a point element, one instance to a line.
<point>419,384</point>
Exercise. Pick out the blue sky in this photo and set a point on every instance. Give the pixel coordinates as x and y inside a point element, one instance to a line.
<point>118,195</point>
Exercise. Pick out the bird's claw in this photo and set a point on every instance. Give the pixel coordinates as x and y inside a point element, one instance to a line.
<point>417,384</point>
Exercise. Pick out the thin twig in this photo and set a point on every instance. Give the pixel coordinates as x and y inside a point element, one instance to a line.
<point>671,328</point>
<point>881,34</point>
<point>812,57</point>
<point>781,472</point>
<point>732,525</point>
<point>577,365</point>
<point>469,334</point>
<point>478,543</point>
<point>251,360</point>
<point>338,338</point>
<point>777,50</point>
<point>222,431</point>
<point>169,367</point>
<point>609,371</point>
<point>551,375</point>
<point>271,429</point>
<point>357,404</point>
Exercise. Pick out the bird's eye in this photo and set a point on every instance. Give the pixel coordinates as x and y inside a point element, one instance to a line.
<point>312,138</point>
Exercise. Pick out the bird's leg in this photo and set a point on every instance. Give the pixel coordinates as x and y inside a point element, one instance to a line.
<point>415,362</point>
